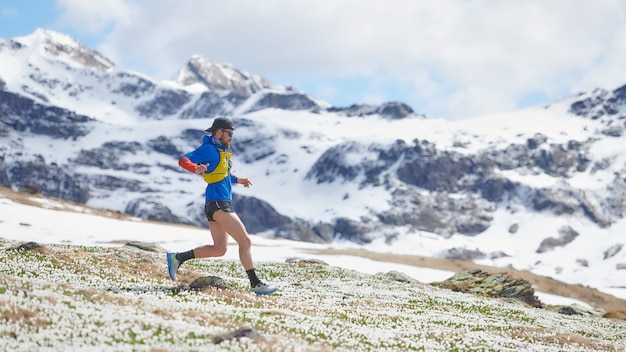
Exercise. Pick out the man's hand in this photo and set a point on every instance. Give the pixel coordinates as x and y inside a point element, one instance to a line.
<point>186,164</point>
<point>200,168</point>
<point>244,181</point>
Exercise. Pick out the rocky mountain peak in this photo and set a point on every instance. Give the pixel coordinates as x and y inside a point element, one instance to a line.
<point>221,77</point>
<point>61,46</point>
<point>608,107</point>
<point>112,139</point>
<point>600,102</point>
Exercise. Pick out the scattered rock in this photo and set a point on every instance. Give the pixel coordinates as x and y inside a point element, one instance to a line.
<point>146,246</point>
<point>28,246</point>
<point>151,209</point>
<point>500,285</point>
<point>301,261</point>
<point>577,309</point>
<point>582,262</point>
<point>464,254</point>
<point>237,334</point>
<point>122,256</point>
<point>566,236</point>
<point>210,281</point>
<point>401,277</point>
<point>498,254</point>
<point>613,250</point>
<point>537,140</point>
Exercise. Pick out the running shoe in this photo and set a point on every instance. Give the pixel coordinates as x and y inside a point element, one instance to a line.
<point>172,265</point>
<point>263,289</point>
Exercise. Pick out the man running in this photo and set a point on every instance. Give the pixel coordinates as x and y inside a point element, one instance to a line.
<point>213,161</point>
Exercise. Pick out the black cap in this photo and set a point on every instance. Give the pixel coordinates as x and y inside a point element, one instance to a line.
<point>221,122</point>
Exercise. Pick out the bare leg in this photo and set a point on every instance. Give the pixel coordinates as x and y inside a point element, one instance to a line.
<point>229,223</point>
<point>219,246</point>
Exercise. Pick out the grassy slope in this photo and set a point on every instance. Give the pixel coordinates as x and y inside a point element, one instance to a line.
<point>78,298</point>
<point>544,284</point>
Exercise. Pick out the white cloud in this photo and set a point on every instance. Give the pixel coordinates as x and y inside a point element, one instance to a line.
<point>91,17</point>
<point>451,58</point>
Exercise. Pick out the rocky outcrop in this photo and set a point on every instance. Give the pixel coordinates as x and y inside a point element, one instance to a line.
<point>45,120</point>
<point>353,231</point>
<point>249,149</point>
<point>145,246</point>
<point>426,167</point>
<point>164,145</point>
<point>257,215</point>
<point>109,156</point>
<point>566,236</point>
<point>50,179</point>
<point>152,209</point>
<point>130,85</point>
<point>577,309</point>
<point>114,183</point>
<point>567,200</point>
<point>211,104</point>
<point>400,277</point>
<point>390,110</point>
<point>61,45</point>
<point>302,230</point>
<point>500,285</point>
<point>556,160</point>
<point>613,250</point>
<point>600,103</point>
<point>221,77</point>
<point>164,103</point>
<point>284,101</point>
<point>247,332</point>
<point>464,254</point>
<point>205,282</point>
<point>336,162</point>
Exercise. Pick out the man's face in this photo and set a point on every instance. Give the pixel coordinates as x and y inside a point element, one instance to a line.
<point>226,137</point>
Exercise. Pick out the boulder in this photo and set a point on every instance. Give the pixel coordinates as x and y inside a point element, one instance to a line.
<point>236,335</point>
<point>28,246</point>
<point>500,285</point>
<point>204,282</point>
<point>577,309</point>
<point>400,277</point>
<point>303,262</point>
<point>146,246</point>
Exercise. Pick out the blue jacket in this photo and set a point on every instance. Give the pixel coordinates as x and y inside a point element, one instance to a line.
<point>209,153</point>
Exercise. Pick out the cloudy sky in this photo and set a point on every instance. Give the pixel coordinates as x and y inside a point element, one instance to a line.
<point>446,58</point>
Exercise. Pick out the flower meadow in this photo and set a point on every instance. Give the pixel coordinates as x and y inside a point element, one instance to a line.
<point>87,298</point>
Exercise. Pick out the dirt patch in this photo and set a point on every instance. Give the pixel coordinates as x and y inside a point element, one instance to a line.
<point>544,284</point>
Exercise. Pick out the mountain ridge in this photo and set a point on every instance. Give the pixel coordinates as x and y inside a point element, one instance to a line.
<point>539,189</point>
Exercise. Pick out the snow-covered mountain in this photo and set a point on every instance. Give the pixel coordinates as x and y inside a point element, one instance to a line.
<point>540,189</point>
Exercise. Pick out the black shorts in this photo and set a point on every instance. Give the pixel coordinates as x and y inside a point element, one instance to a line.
<point>211,207</point>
